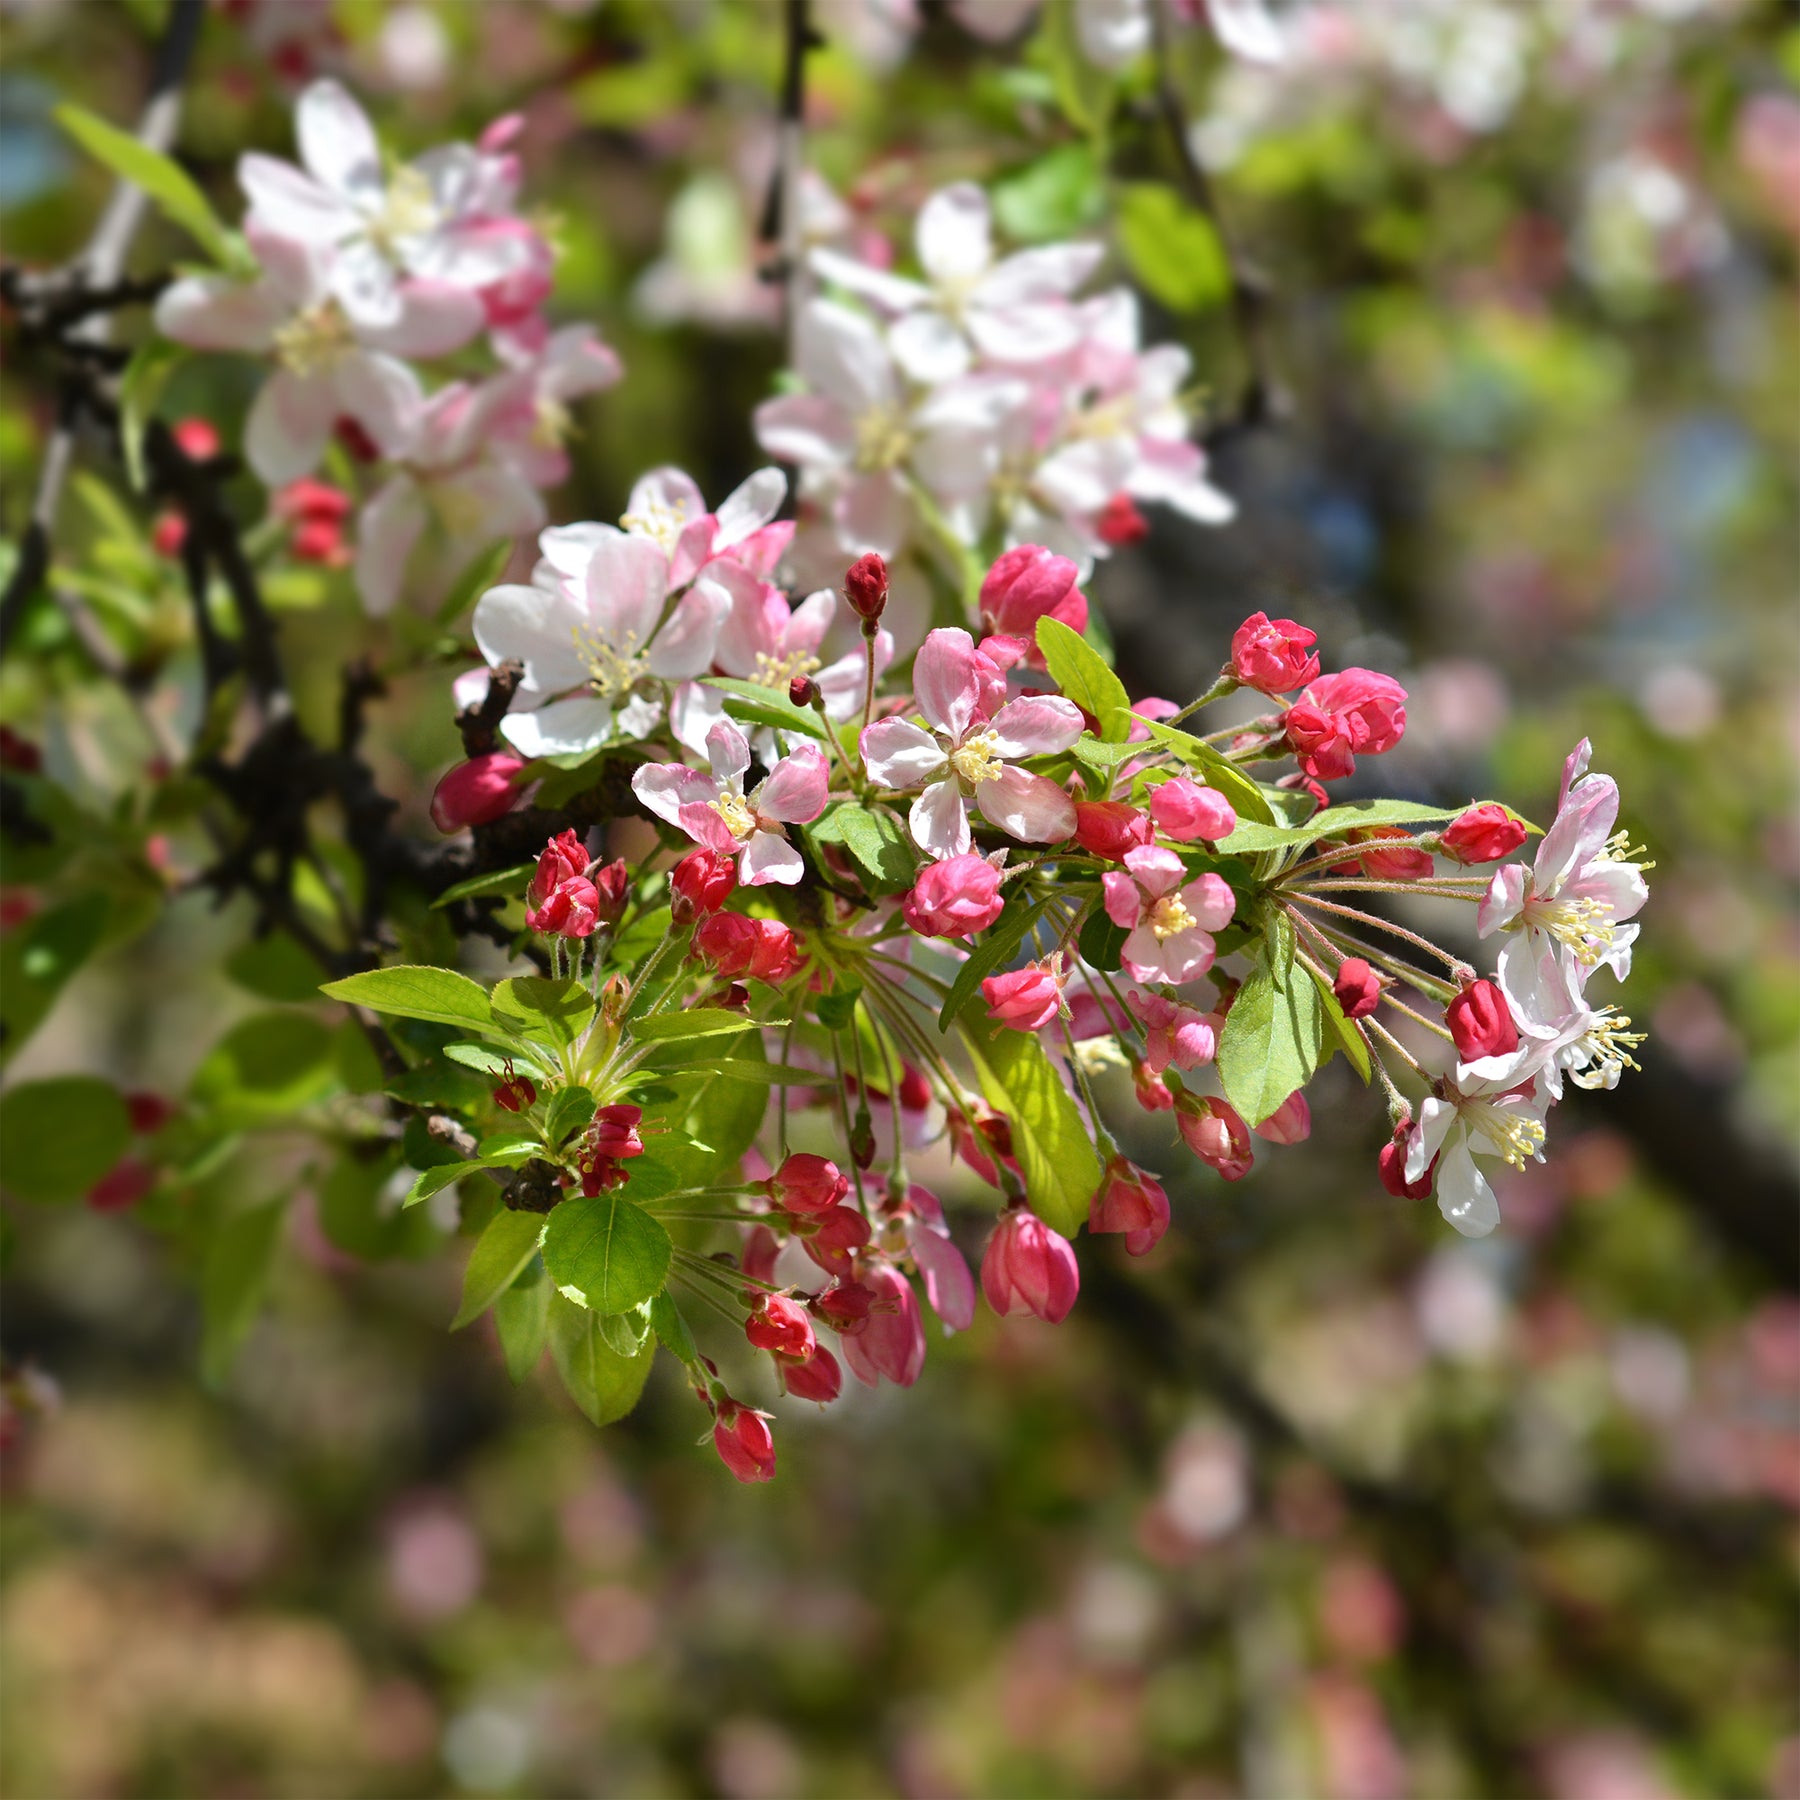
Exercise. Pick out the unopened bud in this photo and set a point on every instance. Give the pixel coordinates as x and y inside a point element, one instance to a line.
<point>700,884</point>
<point>866,587</point>
<point>803,691</point>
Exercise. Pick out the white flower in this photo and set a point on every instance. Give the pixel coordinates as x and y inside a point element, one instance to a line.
<point>1559,1031</point>
<point>1471,1117</point>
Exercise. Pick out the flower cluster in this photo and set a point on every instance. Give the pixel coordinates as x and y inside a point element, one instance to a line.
<point>363,268</point>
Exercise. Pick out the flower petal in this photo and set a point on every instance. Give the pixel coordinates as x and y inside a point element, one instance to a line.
<point>1037,725</point>
<point>626,580</point>
<point>899,755</point>
<point>686,645</point>
<point>289,426</point>
<point>953,235</point>
<point>797,787</point>
<point>665,788</point>
<point>1027,807</point>
<point>390,526</point>
<point>337,143</point>
<point>770,859</point>
<point>946,681</point>
<point>536,627</point>
<point>749,507</point>
<point>940,821</point>
<point>563,728</point>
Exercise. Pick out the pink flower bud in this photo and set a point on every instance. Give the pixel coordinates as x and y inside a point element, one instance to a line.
<point>738,946</point>
<point>1131,1201</point>
<point>954,898</point>
<point>1027,1267</point>
<point>1410,864</point>
<point>1120,523</point>
<point>1152,1091</point>
<point>1188,812</point>
<point>198,438</point>
<point>1357,987</point>
<point>1356,712</point>
<point>1216,1134</point>
<point>477,792</point>
<point>564,858</point>
<point>866,587</point>
<point>1482,834</point>
<point>320,541</point>
<point>845,1307</point>
<point>570,909</point>
<point>701,883</point>
<point>1481,1023</point>
<point>19,754</point>
<point>833,1237</point>
<point>781,1325</point>
<point>1289,1123</point>
<point>742,1440</point>
<point>308,498</point>
<point>892,1341</point>
<point>1173,1033</point>
<point>1391,1165</point>
<point>1108,828</point>
<point>817,1378</point>
<point>612,888</point>
<point>1026,584</point>
<point>614,1132</point>
<point>1273,655</point>
<point>168,534</point>
<point>1025,999</point>
<point>806,1184</point>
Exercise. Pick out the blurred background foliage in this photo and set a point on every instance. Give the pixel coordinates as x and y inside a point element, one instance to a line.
<point>1321,1500</point>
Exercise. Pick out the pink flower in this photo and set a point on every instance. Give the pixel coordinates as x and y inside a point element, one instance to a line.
<point>1216,1134</point>
<point>476,792</point>
<point>1481,1023</point>
<point>700,884</point>
<point>1173,1033</point>
<point>1108,828</point>
<point>967,754</point>
<point>1186,811</point>
<point>954,898</point>
<point>1484,833</point>
<point>1026,584</point>
<point>1120,523</point>
<point>716,812</point>
<point>1026,999</point>
<point>818,1377</point>
<point>1170,920</point>
<point>742,1440</point>
<point>892,1341</point>
<point>1356,712</point>
<point>781,1325</point>
<point>948,1284</point>
<point>1131,1201</point>
<point>1027,1267</point>
<point>1273,655</point>
<point>1357,987</point>
<point>807,1184</point>
<point>832,1238</point>
<point>1289,1123</point>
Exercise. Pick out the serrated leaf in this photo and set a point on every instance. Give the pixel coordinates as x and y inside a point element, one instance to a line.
<point>1004,937</point>
<point>1078,669</point>
<point>547,1008</point>
<point>494,1062</point>
<point>499,881</point>
<point>499,1257</point>
<point>522,1318</point>
<point>602,1383</point>
<point>1272,1044</point>
<point>610,1253</point>
<point>417,992</point>
<point>876,841</point>
<point>702,1021</point>
<point>1334,821</point>
<point>570,1109</point>
<point>625,1333</point>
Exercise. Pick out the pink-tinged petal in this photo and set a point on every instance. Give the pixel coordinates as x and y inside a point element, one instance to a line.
<point>953,235</point>
<point>749,507</point>
<point>1027,807</point>
<point>1187,956</point>
<point>753,627</point>
<point>214,312</point>
<point>1580,828</point>
<point>808,623</point>
<point>693,549</point>
<point>568,548</point>
<point>728,750</point>
<point>337,143</point>
<point>665,788</point>
<point>1210,899</point>
<point>536,627</point>
<point>391,524</point>
<point>842,356</point>
<point>1037,725</point>
<point>899,755</point>
<point>1023,335</point>
<point>288,428</point>
<point>431,320</point>
<point>1142,956</point>
<point>1047,273</point>
<point>1245,28</point>
<point>949,1284</point>
<point>947,681</point>
<point>797,787</point>
<point>1124,903</point>
<point>1575,765</point>
<point>875,513</point>
<point>940,822</point>
<point>289,203</point>
<point>665,492</point>
<point>769,860</point>
<point>694,709</point>
<point>1500,905</point>
<point>686,646</point>
<point>894,293</point>
<point>929,348</point>
<point>805,429</point>
<point>383,396</point>
<point>1156,870</point>
<point>703,823</point>
<point>626,582</point>
<point>563,728</point>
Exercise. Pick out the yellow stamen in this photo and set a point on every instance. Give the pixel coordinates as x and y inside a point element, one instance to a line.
<point>883,440</point>
<point>740,821</point>
<point>661,522</point>
<point>408,210</point>
<point>310,342</point>
<point>778,671</point>
<point>612,668</point>
<point>1170,915</point>
<point>978,759</point>
<point>1516,1139</point>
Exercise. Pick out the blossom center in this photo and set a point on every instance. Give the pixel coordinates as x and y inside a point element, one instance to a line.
<point>661,521</point>
<point>778,671</point>
<point>978,759</point>
<point>1582,921</point>
<point>407,210</point>
<point>734,809</point>
<point>312,341</point>
<point>883,439</point>
<point>551,423</point>
<point>612,668</point>
<point>1168,916</point>
<point>1515,1137</point>
<point>1605,1051</point>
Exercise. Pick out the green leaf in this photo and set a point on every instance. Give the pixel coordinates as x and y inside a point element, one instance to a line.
<point>508,1146</point>
<point>1051,198</point>
<point>626,1333</point>
<point>876,842</point>
<point>498,881</point>
<point>497,1261</point>
<point>1055,1152</point>
<point>1076,667</point>
<point>604,1384</point>
<point>1083,89</point>
<point>275,968</point>
<point>440,1176</point>
<point>417,992</point>
<point>522,1318</point>
<point>273,1064</point>
<point>162,179</point>
<point>672,1328</point>
<point>606,1252</point>
<point>1102,942</point>
<point>1342,1031</point>
<point>37,959</point>
<point>762,1074</point>
<point>1335,821</point>
<point>758,705</point>
<point>238,1264</point>
<point>1245,796</point>
<point>440,1084</point>
<point>543,1007</point>
<point>836,1010</point>
<point>152,362</point>
<point>1004,938</point>
<point>494,1062</point>
<point>702,1021</point>
<point>357,1216</point>
<point>1272,1044</point>
<point>1172,248</point>
<point>60,1136</point>
<point>570,1109</point>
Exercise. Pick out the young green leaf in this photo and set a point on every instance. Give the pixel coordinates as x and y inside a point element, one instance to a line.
<point>1173,248</point>
<point>607,1253</point>
<point>755,704</point>
<point>672,1328</point>
<point>442,1175</point>
<point>499,1257</point>
<point>1335,821</point>
<point>625,1333</point>
<point>497,881</point>
<point>417,992</point>
<point>1246,797</point>
<point>604,1384</point>
<point>876,842</point>
<point>702,1021</point>
<point>1003,939</point>
<point>570,1109</point>
<point>1341,1030</point>
<point>494,1062</point>
<point>60,1136</point>
<point>1076,667</point>
<point>543,1007</point>
<point>522,1318</point>
<point>238,1262</point>
<point>1272,1044</point>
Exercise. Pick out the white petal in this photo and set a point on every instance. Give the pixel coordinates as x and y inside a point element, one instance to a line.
<point>626,580</point>
<point>928,347</point>
<point>749,507</point>
<point>953,234</point>
<point>289,427</point>
<point>940,822</point>
<point>900,755</point>
<point>337,142</point>
<point>536,627</point>
<point>291,204</point>
<point>685,646</point>
<point>381,394</point>
<point>894,293</point>
<point>1463,1194</point>
<point>842,356</point>
<point>386,533</point>
<point>561,728</point>
<point>214,312</point>
<point>769,859</point>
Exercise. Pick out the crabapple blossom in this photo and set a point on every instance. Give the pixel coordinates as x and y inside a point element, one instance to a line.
<point>779,1324</point>
<point>716,812</point>
<point>1174,1035</point>
<point>1481,1023</point>
<point>1028,1268</point>
<point>949,1286</point>
<point>1558,1027</point>
<point>1170,919</point>
<point>1108,828</point>
<point>743,1441</point>
<point>1474,1116</point>
<point>1189,812</point>
<point>954,898</point>
<point>1132,1201</point>
<point>807,1184</point>
<point>476,792</point>
<point>1274,656</point>
<point>1357,988</point>
<point>1356,712</point>
<point>1026,999</point>
<point>701,883</point>
<point>969,752</point>
<point>1216,1133</point>
<point>891,1341</point>
<point>1289,1123</point>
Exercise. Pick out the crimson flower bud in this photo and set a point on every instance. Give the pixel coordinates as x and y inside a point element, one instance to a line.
<point>1410,864</point>
<point>1025,585</point>
<point>1356,712</point>
<point>1027,1267</point>
<point>1188,812</point>
<point>737,946</point>
<point>742,1440</point>
<point>1357,987</point>
<point>845,1307</point>
<point>122,1186</point>
<point>1216,1134</point>
<point>1391,1165</point>
<point>1481,1023</point>
<point>866,587</point>
<point>477,792</point>
<point>612,887</point>
<point>1120,523</point>
<point>19,754</point>
<point>516,1093</point>
<point>1108,828</point>
<point>149,1113</point>
<point>781,1325</point>
<point>954,898</point>
<point>1484,833</point>
<point>1289,1123</point>
<point>614,1132</point>
<point>817,1378</point>
<point>833,1237</point>
<point>198,438</point>
<point>1131,1201</point>
<point>806,1184</point>
<point>168,534</point>
<point>309,498</point>
<point>700,883</point>
<point>561,901</point>
<point>803,691</point>
<point>1273,655</point>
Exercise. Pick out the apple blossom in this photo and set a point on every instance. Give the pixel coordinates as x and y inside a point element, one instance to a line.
<point>1026,999</point>
<point>891,1342</point>
<point>1131,1201</point>
<point>1483,833</point>
<point>954,898</point>
<point>1188,812</point>
<point>743,1442</point>
<point>1175,1036</point>
<point>1274,656</point>
<point>1337,718</point>
<point>1027,1267</point>
<point>1216,1133</point>
<point>1170,919</point>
